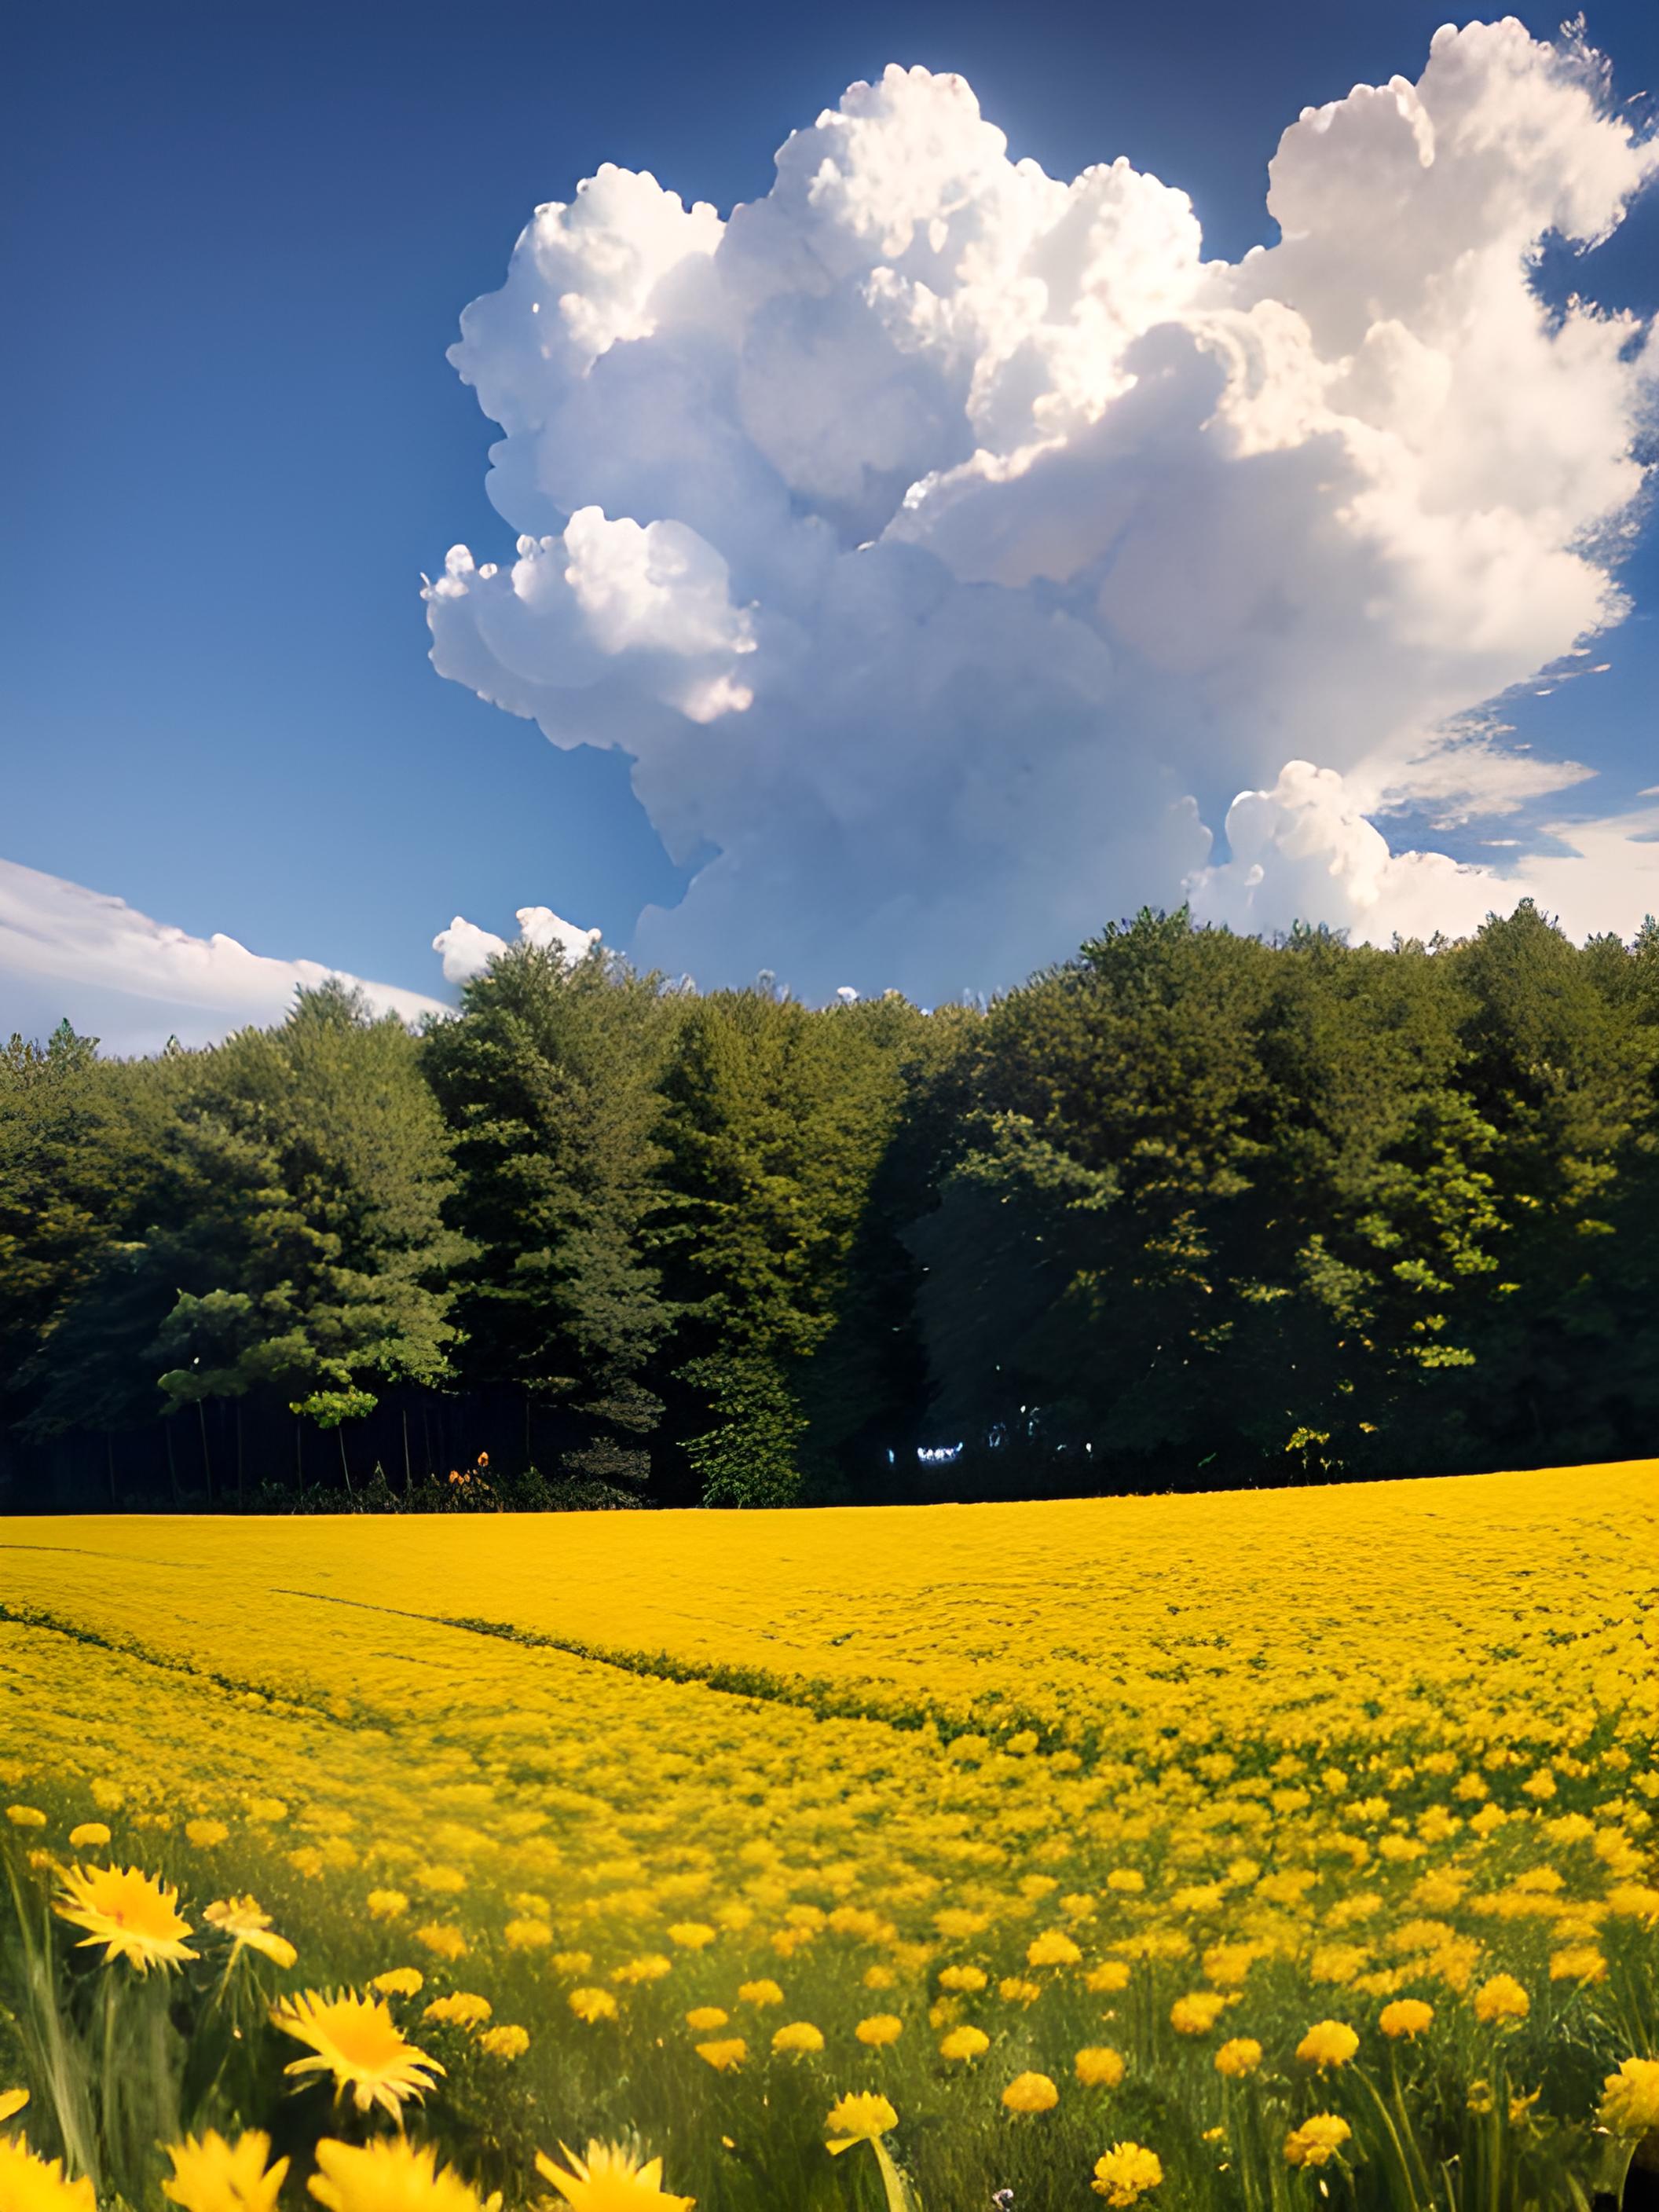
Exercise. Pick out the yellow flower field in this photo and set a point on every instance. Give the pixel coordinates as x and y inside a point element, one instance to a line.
<point>1186,1852</point>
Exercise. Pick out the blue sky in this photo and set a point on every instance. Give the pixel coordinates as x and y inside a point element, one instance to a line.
<point>238,242</point>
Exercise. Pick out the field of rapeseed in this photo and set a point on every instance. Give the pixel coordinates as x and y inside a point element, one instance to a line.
<point>1232,1854</point>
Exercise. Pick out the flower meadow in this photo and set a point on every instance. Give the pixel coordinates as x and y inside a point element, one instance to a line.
<point>1257,1851</point>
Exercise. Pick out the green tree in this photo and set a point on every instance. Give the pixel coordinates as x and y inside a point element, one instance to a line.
<point>547,1081</point>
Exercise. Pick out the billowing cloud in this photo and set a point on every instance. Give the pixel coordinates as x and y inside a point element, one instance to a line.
<point>467,950</point>
<point>1306,849</point>
<point>935,534</point>
<point>132,981</point>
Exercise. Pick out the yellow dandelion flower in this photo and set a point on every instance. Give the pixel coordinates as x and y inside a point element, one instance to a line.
<point>1317,2140</point>
<point>1125,1881</point>
<point>730,2050</point>
<point>205,1834</point>
<point>879,1978</point>
<point>879,2029</point>
<point>443,1942</point>
<point>134,1915</point>
<point>387,1905</point>
<point>1239,2056</point>
<point>504,2042</point>
<point>860,2116</point>
<point>611,2179</point>
<point>392,2175</point>
<point>1197,2013</point>
<point>964,2043</point>
<point>1630,2104</point>
<point>1578,1962</point>
<point>799,2036</point>
<point>26,1816</point>
<point>88,1836</point>
<point>399,1982</point>
<point>761,1992</point>
<point>212,2175</point>
<point>1501,1999</point>
<point>1016,1988</point>
<point>249,1929</point>
<point>650,1968</point>
<point>357,2041</point>
<point>691,1935</point>
<point>1111,1975</point>
<point>1328,2043</point>
<point>571,1962</point>
<point>1052,1949</point>
<point>592,2005</point>
<point>1125,2173</point>
<point>1098,2066</point>
<point>1406,2016</point>
<point>464,2009</point>
<point>963,1978</point>
<point>1031,2093</point>
<point>12,2102</point>
<point>527,1934</point>
<point>703,2019</point>
<point>29,2183</point>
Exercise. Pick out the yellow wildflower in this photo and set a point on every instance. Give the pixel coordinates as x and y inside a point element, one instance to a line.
<point>730,2051</point>
<point>399,1982</point>
<point>1501,1999</point>
<point>963,1978</point>
<point>1097,2066</point>
<point>1031,2093</point>
<point>1240,2056</point>
<point>1317,2140</point>
<point>611,2179</point>
<point>761,1992</point>
<point>1630,2104</point>
<point>212,2175</point>
<point>860,2116</point>
<point>505,2041</point>
<point>880,2028</point>
<point>1328,2043</point>
<point>592,2005</point>
<point>386,1905</point>
<point>964,2043</point>
<point>464,2009</point>
<point>135,1916</point>
<point>1125,2173</point>
<point>799,2036</point>
<point>1197,2013</point>
<point>250,1929</point>
<point>89,1835</point>
<point>357,2041</point>
<point>29,2183</point>
<point>703,2019</point>
<point>1052,1949</point>
<point>1405,2016</point>
<point>391,2174</point>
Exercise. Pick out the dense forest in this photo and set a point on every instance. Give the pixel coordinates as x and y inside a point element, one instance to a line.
<point>1189,1210</point>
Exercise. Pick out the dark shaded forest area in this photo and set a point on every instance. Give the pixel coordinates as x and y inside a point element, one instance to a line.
<point>1191,1211</point>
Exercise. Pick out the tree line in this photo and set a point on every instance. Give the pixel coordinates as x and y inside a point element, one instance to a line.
<point>1191,1210</point>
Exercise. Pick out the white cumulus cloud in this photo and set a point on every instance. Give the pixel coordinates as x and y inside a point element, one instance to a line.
<point>932,532</point>
<point>467,950</point>
<point>66,951</point>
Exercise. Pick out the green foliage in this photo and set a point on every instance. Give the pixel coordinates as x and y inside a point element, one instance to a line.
<point>1190,1208</point>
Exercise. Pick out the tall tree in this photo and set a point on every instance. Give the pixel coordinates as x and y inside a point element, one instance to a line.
<point>547,1081</point>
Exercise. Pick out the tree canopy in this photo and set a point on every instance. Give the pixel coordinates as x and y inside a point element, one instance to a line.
<point>1189,1209</point>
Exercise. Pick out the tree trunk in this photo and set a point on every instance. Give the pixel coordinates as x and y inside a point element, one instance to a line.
<point>207,1457</point>
<point>299,1453</point>
<point>345,1468</point>
<point>409,1480</point>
